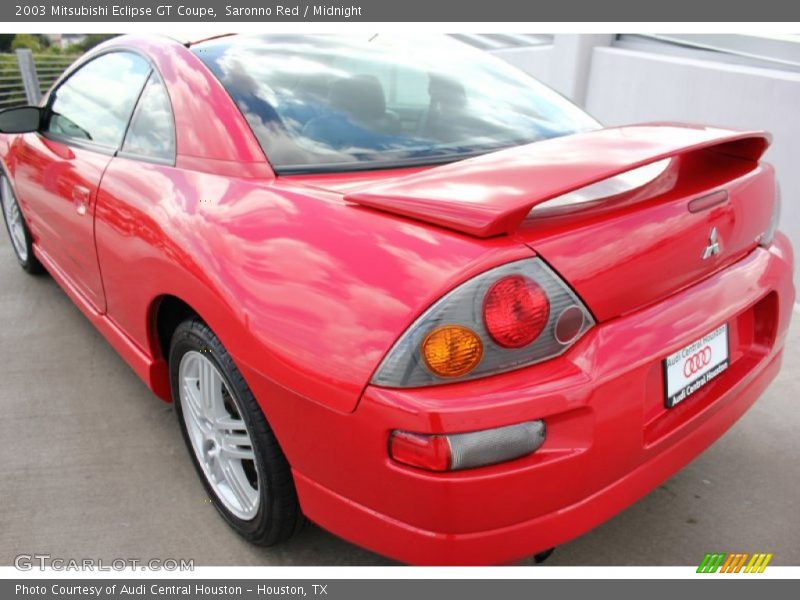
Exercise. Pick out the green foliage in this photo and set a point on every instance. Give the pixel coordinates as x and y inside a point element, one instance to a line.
<point>90,41</point>
<point>41,44</point>
<point>26,40</point>
<point>5,41</point>
<point>11,90</point>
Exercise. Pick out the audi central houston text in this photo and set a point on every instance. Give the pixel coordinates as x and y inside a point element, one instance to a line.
<point>395,286</point>
<point>157,589</point>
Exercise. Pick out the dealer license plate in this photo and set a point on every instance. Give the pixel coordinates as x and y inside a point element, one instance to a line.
<point>695,365</point>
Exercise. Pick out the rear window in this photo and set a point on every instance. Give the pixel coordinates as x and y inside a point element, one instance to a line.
<point>328,103</point>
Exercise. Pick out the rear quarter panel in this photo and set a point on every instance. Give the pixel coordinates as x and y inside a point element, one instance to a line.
<point>300,286</point>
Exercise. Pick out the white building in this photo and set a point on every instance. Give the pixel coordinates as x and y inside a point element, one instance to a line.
<point>65,40</point>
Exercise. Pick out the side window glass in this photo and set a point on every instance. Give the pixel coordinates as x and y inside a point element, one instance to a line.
<point>96,102</point>
<point>152,132</point>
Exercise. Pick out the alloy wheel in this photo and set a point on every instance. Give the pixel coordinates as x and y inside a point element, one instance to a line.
<point>218,435</point>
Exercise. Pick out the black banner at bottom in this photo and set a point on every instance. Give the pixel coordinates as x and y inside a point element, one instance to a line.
<point>389,589</point>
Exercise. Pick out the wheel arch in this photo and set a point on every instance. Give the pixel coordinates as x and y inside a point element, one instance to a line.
<point>166,313</point>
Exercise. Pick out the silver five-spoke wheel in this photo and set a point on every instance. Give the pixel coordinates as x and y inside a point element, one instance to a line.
<point>218,435</point>
<point>13,217</point>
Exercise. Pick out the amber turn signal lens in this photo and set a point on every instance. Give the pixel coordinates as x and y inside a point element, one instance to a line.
<point>452,350</point>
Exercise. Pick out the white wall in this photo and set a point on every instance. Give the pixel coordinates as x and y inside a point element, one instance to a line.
<point>626,86</point>
<point>564,65</point>
<point>629,87</point>
<point>537,61</point>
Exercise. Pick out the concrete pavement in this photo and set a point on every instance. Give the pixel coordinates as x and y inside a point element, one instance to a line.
<point>92,465</point>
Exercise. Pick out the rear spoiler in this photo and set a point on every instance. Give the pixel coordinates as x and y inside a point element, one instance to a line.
<point>492,194</point>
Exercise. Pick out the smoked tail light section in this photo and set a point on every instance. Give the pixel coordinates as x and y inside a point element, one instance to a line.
<point>769,235</point>
<point>506,318</point>
<point>453,452</point>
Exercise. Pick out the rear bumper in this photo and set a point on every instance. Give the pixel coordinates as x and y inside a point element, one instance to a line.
<point>610,439</point>
<point>390,537</point>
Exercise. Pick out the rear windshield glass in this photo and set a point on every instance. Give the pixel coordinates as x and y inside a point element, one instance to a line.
<point>331,103</point>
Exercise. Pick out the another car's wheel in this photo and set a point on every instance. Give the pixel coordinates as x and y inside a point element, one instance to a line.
<point>232,446</point>
<point>17,228</point>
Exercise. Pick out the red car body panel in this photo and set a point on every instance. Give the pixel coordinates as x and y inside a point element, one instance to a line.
<point>610,439</point>
<point>64,180</point>
<point>276,271</point>
<point>309,290</point>
<point>643,252</point>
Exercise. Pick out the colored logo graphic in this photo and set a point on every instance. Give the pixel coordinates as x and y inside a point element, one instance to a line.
<point>697,361</point>
<point>734,563</point>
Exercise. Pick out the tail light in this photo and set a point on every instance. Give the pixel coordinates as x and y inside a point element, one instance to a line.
<point>452,350</point>
<point>429,452</point>
<point>769,235</point>
<point>515,311</point>
<point>515,315</point>
<point>452,452</point>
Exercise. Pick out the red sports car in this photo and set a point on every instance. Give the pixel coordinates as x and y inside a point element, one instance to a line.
<point>398,287</point>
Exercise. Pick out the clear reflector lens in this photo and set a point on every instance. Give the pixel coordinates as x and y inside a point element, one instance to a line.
<point>569,324</point>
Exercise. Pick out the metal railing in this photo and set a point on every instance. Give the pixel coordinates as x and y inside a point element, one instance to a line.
<point>25,76</point>
<point>12,90</point>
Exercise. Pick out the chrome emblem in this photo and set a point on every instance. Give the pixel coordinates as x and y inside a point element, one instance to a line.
<point>713,245</point>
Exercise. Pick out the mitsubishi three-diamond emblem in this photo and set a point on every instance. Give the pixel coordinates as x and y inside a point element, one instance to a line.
<point>713,245</point>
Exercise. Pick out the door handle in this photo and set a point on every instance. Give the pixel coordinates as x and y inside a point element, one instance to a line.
<point>80,195</point>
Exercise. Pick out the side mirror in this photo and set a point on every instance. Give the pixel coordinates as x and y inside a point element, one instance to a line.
<point>22,119</point>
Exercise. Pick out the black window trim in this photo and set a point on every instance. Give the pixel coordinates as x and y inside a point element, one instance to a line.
<point>144,158</point>
<point>78,143</point>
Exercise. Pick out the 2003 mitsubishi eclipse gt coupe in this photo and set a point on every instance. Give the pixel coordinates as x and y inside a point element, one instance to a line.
<point>399,288</point>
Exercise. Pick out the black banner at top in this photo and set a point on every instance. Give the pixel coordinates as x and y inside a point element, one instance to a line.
<point>38,11</point>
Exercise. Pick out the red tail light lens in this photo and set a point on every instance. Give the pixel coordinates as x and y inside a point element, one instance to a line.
<point>515,311</point>
<point>456,451</point>
<point>429,452</point>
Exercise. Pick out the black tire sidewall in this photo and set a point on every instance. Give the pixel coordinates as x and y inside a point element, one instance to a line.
<point>31,264</point>
<point>196,336</point>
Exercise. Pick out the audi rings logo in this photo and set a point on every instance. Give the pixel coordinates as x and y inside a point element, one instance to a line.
<point>697,361</point>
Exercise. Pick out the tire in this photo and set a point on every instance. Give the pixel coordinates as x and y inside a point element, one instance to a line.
<point>17,228</point>
<point>215,418</point>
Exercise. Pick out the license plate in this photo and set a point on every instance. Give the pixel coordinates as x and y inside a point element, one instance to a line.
<point>695,365</point>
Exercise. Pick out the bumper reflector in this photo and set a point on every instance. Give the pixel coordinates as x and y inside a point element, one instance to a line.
<point>466,450</point>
